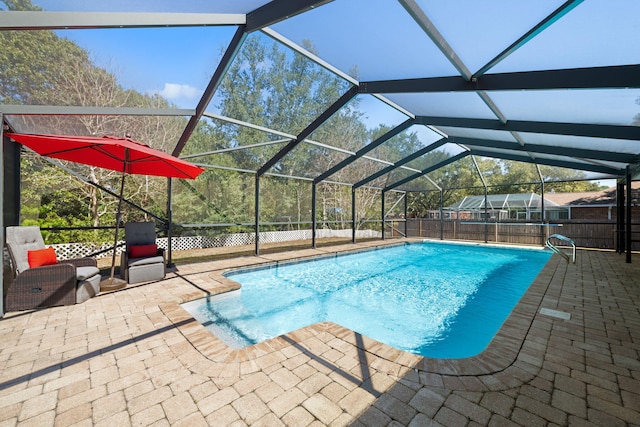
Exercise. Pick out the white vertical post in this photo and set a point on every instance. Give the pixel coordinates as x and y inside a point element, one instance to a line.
<point>383,222</point>
<point>353,215</point>
<point>314,212</point>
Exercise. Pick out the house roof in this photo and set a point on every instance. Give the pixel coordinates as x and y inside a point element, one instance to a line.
<point>606,197</point>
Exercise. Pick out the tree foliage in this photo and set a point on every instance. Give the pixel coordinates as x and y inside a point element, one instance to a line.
<point>42,68</point>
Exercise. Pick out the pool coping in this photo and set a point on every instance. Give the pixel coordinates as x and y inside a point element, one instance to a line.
<point>509,360</point>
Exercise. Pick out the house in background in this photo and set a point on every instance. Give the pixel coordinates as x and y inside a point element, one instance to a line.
<point>579,206</point>
<point>505,207</point>
<point>595,205</point>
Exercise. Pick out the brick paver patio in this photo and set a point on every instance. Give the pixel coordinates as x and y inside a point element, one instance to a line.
<point>135,357</point>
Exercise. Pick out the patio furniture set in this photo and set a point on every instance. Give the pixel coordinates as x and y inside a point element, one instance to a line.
<point>41,280</point>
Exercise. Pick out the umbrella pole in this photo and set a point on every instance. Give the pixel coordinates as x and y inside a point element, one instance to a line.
<point>112,283</point>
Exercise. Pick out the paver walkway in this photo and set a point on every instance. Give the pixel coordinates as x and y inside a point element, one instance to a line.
<point>134,357</point>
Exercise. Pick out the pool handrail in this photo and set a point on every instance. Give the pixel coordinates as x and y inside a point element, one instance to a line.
<point>557,250</point>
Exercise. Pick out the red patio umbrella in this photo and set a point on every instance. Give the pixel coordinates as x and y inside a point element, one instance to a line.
<point>120,154</point>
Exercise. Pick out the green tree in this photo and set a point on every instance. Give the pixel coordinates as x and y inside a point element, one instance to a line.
<point>282,90</point>
<point>41,68</point>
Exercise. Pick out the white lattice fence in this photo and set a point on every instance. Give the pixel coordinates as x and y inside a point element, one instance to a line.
<point>200,242</point>
<point>346,233</point>
<point>77,250</point>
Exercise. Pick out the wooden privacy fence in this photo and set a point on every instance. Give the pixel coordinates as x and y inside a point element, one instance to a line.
<point>600,235</point>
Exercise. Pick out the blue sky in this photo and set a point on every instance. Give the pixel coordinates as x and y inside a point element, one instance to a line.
<point>176,62</point>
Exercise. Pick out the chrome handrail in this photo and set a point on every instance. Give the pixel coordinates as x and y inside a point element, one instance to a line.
<point>557,250</point>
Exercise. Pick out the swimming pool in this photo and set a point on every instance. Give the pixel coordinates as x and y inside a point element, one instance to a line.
<point>433,299</point>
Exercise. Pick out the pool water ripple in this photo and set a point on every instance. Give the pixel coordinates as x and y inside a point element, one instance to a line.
<point>434,299</point>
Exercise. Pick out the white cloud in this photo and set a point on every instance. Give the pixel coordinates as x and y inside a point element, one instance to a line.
<point>175,91</point>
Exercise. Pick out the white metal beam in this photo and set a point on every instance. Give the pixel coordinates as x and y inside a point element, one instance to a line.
<point>302,51</point>
<point>430,29</point>
<point>290,136</point>
<point>38,20</point>
<point>58,110</point>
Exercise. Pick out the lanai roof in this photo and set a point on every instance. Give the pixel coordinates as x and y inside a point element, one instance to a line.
<point>503,201</point>
<point>551,82</point>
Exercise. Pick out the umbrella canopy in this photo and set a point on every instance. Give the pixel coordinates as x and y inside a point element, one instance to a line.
<point>108,152</point>
<point>120,154</point>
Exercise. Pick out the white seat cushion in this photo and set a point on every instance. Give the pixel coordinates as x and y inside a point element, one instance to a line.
<point>133,262</point>
<point>83,273</point>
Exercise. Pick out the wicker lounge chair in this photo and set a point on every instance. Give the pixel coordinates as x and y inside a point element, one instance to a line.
<point>142,260</point>
<point>64,283</point>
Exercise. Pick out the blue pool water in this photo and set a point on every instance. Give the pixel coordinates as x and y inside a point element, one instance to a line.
<point>433,299</point>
